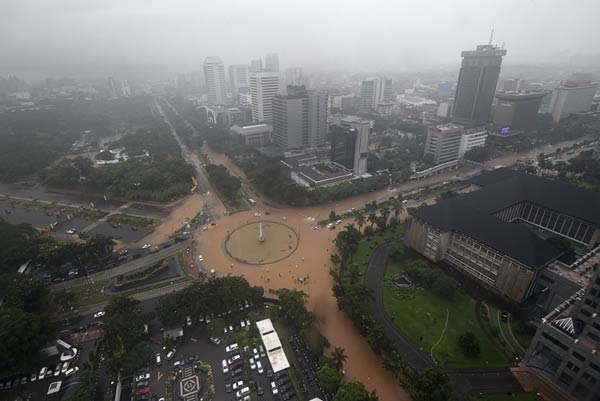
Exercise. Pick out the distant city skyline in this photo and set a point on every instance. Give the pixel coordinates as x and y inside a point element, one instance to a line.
<point>152,38</point>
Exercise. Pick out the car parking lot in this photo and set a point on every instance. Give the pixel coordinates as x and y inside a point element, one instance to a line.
<point>238,361</point>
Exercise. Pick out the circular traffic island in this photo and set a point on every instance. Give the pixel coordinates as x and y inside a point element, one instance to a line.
<point>261,243</point>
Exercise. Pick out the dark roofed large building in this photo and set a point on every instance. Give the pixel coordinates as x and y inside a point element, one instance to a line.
<point>489,233</point>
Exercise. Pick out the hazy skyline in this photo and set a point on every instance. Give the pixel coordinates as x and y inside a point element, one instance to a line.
<point>42,38</point>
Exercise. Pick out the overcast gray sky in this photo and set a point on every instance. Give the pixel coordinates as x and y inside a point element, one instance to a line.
<point>39,38</point>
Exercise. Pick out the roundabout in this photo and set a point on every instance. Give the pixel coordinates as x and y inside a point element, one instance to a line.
<point>261,243</point>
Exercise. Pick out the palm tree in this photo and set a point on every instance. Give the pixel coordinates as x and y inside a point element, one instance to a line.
<point>360,220</point>
<point>372,219</point>
<point>385,212</point>
<point>397,207</point>
<point>339,358</point>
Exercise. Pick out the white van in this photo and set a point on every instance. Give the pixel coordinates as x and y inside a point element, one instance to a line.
<point>43,372</point>
<point>158,360</point>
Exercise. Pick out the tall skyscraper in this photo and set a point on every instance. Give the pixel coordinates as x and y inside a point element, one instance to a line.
<point>476,86</point>
<point>374,91</point>
<point>112,87</point>
<point>350,143</point>
<point>272,62</point>
<point>263,87</point>
<point>293,76</point>
<point>239,77</point>
<point>256,65</point>
<point>300,118</point>
<point>125,89</point>
<point>214,75</point>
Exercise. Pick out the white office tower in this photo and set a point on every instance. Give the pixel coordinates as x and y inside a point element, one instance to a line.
<point>293,76</point>
<point>374,91</point>
<point>263,87</point>
<point>125,89</point>
<point>239,77</point>
<point>214,75</point>
<point>572,97</point>
<point>272,62</point>
<point>256,65</point>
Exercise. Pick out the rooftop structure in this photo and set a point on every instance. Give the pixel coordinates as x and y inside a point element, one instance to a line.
<point>254,135</point>
<point>517,110</point>
<point>476,232</point>
<point>272,344</point>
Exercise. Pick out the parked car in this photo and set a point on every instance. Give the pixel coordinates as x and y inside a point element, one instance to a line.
<point>234,358</point>
<point>232,347</point>
<point>141,391</point>
<point>262,351</point>
<point>188,321</point>
<point>171,354</point>
<point>242,392</point>
<point>143,383</point>
<point>178,364</point>
<point>228,388</point>
<point>236,372</point>
<point>143,376</point>
<point>224,366</point>
<point>274,388</point>
<point>252,364</point>
<point>259,368</point>
<point>238,384</point>
<point>71,371</point>
<point>215,340</point>
<point>158,360</point>
<point>99,314</point>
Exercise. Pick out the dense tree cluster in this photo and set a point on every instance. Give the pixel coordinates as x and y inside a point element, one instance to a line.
<point>440,284</point>
<point>293,309</point>
<point>25,324</point>
<point>218,295</point>
<point>124,335</point>
<point>354,391</point>
<point>227,185</point>
<point>163,176</point>
<point>22,243</point>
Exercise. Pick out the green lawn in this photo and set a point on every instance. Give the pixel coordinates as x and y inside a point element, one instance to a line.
<point>421,315</point>
<point>509,397</point>
<point>367,245</point>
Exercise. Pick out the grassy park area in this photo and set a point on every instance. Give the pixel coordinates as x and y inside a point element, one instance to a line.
<point>431,321</point>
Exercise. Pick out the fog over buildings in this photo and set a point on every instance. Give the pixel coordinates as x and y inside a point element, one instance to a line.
<point>148,37</point>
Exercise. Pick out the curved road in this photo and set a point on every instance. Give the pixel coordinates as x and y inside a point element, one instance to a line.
<point>468,381</point>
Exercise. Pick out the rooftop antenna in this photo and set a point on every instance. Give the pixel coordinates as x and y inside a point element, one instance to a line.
<point>491,36</point>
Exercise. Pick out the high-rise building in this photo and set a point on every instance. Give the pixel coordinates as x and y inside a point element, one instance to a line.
<point>350,143</point>
<point>263,87</point>
<point>300,118</point>
<point>374,91</point>
<point>239,77</point>
<point>272,62</point>
<point>564,350</point>
<point>256,65</point>
<point>112,87</point>
<point>513,85</point>
<point>293,76</point>
<point>476,86</point>
<point>517,111</point>
<point>572,97</point>
<point>125,89</point>
<point>214,75</point>
<point>443,142</point>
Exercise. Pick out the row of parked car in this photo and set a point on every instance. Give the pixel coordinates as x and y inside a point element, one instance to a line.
<point>142,386</point>
<point>45,373</point>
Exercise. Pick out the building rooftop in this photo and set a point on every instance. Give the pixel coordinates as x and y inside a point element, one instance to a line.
<point>505,187</point>
<point>521,96</point>
<point>473,213</point>
<point>510,239</point>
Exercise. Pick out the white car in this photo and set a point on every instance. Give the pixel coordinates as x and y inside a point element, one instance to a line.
<point>237,384</point>
<point>242,392</point>
<point>170,354</point>
<point>71,231</point>
<point>65,367</point>
<point>72,371</point>
<point>243,324</point>
<point>146,246</point>
<point>100,314</point>
<point>255,352</point>
<point>274,388</point>
<point>234,358</point>
<point>224,365</point>
<point>252,364</point>
<point>188,321</point>
<point>142,377</point>
<point>200,258</point>
<point>232,347</point>
<point>259,368</point>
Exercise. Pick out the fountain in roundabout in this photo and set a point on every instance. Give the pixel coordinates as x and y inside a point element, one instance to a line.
<point>260,243</point>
